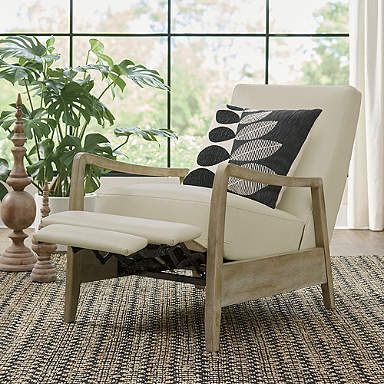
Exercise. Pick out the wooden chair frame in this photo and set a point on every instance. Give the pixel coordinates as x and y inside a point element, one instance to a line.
<point>227,282</point>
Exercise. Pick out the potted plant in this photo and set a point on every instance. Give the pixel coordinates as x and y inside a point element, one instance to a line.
<point>61,104</point>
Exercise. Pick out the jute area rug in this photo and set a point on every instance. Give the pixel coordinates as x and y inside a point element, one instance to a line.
<point>139,330</point>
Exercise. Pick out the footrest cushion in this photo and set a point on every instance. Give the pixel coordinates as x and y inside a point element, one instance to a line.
<point>155,231</point>
<point>91,238</point>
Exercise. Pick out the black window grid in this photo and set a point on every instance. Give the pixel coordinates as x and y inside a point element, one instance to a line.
<point>169,35</point>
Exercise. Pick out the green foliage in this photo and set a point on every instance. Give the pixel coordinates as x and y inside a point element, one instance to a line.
<point>331,65</point>
<point>4,172</point>
<point>67,106</point>
<point>189,88</point>
<point>60,158</point>
<point>147,134</point>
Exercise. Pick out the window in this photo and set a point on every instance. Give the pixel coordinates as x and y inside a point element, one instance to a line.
<point>201,47</point>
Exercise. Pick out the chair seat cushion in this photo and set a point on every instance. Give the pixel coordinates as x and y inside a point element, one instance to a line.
<point>252,229</point>
<point>154,231</point>
<point>91,238</point>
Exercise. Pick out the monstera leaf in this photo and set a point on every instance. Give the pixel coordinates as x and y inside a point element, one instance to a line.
<point>36,123</point>
<point>27,48</point>
<point>97,47</point>
<point>102,68</point>
<point>16,73</point>
<point>39,123</point>
<point>150,134</point>
<point>141,75</point>
<point>68,101</point>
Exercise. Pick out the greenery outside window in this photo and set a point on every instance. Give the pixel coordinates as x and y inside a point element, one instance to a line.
<point>202,48</point>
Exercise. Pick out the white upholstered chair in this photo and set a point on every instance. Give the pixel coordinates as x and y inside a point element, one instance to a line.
<point>289,227</point>
<point>252,250</point>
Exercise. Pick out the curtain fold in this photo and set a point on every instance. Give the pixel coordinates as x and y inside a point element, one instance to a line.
<point>366,174</point>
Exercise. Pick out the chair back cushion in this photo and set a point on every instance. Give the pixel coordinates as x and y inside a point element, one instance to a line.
<point>328,148</point>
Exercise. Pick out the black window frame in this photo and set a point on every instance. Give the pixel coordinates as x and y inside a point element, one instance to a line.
<point>169,35</point>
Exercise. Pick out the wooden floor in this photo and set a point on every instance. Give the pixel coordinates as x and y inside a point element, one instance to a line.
<point>344,242</point>
<point>357,242</point>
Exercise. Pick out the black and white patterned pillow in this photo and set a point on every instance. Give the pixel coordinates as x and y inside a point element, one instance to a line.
<point>267,141</point>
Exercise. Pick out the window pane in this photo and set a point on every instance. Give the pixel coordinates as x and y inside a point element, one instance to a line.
<point>120,16</point>
<point>35,16</point>
<point>315,16</point>
<point>204,73</point>
<point>218,16</point>
<point>318,60</point>
<point>142,107</point>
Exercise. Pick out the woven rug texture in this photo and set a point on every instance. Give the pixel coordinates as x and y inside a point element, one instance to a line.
<point>141,330</point>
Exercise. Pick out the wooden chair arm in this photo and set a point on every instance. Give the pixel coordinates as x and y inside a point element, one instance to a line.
<point>266,178</point>
<point>82,159</point>
<point>219,203</point>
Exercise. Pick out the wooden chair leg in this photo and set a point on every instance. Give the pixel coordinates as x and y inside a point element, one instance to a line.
<point>72,288</point>
<point>321,237</point>
<point>328,296</point>
<point>212,317</point>
<point>327,288</point>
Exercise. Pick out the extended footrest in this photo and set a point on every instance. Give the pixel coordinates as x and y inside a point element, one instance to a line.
<point>141,246</point>
<point>154,231</point>
<point>91,238</point>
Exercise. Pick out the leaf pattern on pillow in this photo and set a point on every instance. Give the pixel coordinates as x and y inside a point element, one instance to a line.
<point>253,117</point>
<point>256,149</point>
<point>246,187</point>
<point>255,130</point>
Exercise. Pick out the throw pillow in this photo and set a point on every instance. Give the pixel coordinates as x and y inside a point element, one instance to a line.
<point>268,141</point>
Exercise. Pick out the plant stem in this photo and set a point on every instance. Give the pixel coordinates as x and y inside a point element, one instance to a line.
<point>55,188</point>
<point>60,133</point>
<point>29,96</point>
<point>83,130</point>
<point>28,159</point>
<point>34,133</point>
<point>86,62</point>
<point>37,144</point>
<point>119,146</point>
<point>105,90</point>
<point>37,186</point>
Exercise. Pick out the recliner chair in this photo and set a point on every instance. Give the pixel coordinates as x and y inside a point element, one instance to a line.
<point>252,250</point>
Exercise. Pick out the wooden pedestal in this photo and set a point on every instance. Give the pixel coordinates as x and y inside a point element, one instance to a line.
<point>18,207</point>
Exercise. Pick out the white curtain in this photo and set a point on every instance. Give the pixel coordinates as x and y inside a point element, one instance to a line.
<point>366,174</point>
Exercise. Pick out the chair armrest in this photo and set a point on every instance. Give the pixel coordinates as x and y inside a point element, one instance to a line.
<point>227,170</point>
<point>219,203</point>
<point>82,159</point>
